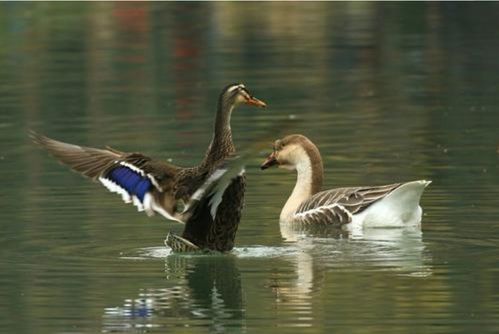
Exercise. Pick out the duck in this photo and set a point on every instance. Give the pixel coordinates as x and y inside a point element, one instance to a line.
<point>350,208</point>
<point>189,195</point>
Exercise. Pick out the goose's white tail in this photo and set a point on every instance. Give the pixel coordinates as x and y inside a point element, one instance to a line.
<point>397,209</point>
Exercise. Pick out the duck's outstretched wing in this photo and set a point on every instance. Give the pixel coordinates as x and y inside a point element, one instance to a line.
<point>337,206</point>
<point>145,182</point>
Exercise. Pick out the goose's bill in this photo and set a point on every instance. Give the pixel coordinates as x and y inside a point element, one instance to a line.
<point>269,162</point>
<point>253,101</point>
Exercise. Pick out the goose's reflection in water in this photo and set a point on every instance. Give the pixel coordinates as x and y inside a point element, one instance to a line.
<point>326,250</point>
<point>207,290</point>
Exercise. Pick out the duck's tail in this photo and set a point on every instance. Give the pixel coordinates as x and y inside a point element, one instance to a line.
<point>179,244</point>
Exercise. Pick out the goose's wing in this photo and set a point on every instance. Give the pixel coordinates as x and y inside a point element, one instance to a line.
<point>337,206</point>
<point>145,182</point>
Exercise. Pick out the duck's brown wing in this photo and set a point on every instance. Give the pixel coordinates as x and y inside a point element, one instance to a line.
<point>337,206</point>
<point>145,182</point>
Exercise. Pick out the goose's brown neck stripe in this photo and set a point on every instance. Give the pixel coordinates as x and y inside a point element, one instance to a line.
<point>316,166</point>
<point>309,170</point>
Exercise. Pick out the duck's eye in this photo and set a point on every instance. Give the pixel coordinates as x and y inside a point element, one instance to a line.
<point>244,92</point>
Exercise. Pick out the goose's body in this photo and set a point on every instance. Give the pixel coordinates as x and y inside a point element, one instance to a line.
<point>392,205</point>
<point>156,186</point>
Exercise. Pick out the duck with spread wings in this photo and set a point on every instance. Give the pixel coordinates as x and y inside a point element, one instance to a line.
<point>211,213</point>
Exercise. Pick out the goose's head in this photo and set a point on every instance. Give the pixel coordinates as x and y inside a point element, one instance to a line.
<point>237,94</point>
<point>293,152</point>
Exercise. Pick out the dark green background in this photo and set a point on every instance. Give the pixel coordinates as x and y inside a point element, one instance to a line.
<point>389,92</point>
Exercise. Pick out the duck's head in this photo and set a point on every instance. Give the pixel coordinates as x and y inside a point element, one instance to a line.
<point>237,94</point>
<point>292,152</point>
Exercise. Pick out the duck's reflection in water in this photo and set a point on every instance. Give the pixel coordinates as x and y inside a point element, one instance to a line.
<point>207,293</point>
<point>327,250</point>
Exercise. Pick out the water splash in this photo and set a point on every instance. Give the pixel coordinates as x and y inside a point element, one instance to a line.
<point>239,252</point>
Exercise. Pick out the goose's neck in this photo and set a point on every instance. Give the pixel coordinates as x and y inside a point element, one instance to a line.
<point>308,182</point>
<point>221,145</point>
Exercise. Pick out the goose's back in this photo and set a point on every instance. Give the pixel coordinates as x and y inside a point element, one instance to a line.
<point>337,206</point>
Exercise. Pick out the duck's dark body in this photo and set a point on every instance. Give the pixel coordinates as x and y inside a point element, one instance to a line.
<point>219,233</point>
<point>201,228</point>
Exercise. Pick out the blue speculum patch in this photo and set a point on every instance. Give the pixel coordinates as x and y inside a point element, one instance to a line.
<point>131,181</point>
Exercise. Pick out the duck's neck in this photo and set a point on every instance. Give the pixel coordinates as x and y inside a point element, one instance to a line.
<point>221,145</point>
<point>308,182</point>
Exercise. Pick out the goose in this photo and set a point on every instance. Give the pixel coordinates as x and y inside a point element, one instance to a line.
<point>351,208</point>
<point>176,193</point>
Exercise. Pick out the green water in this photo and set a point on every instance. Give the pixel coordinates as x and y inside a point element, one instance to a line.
<point>389,92</point>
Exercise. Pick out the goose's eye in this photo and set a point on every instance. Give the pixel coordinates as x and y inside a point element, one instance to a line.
<point>277,145</point>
